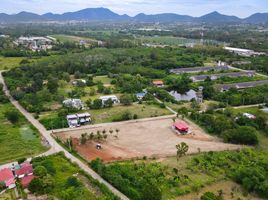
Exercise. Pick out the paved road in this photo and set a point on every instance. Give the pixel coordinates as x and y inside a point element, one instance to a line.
<point>55,147</point>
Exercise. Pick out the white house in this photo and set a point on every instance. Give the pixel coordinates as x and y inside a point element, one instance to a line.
<point>73,103</point>
<point>77,120</point>
<point>112,97</point>
<point>72,120</point>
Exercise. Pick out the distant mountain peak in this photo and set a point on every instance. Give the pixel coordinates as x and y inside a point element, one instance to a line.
<point>104,14</point>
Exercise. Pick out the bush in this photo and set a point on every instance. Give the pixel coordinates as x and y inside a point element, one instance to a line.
<point>242,135</point>
<point>40,171</point>
<point>12,116</point>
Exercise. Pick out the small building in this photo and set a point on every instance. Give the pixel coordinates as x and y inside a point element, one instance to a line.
<point>84,118</point>
<point>8,178</point>
<point>181,126</point>
<point>26,169</point>
<point>73,103</point>
<point>76,82</point>
<point>249,116</point>
<point>114,99</point>
<point>265,110</point>
<point>188,96</point>
<point>158,83</point>
<point>77,120</point>
<point>72,120</point>
<point>141,95</point>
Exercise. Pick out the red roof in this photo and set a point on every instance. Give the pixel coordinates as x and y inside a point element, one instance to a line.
<point>7,176</point>
<point>25,169</point>
<point>181,126</point>
<point>158,82</point>
<point>26,180</point>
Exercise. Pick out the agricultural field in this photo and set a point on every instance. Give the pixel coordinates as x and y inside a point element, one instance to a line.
<point>132,139</point>
<point>19,139</point>
<point>64,180</point>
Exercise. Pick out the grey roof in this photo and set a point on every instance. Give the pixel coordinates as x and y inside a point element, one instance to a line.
<point>216,76</point>
<point>188,96</point>
<point>242,85</point>
<point>198,69</point>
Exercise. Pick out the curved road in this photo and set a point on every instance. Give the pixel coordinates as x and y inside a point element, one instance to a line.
<point>55,147</point>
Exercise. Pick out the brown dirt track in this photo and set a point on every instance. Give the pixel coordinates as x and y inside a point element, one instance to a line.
<point>148,137</point>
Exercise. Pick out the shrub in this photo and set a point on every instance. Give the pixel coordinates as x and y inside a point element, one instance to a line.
<point>12,116</point>
<point>242,135</point>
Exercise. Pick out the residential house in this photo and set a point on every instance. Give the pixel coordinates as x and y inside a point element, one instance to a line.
<point>158,83</point>
<point>77,120</point>
<point>8,178</point>
<point>188,96</point>
<point>73,103</point>
<point>141,95</point>
<point>26,169</point>
<point>26,180</point>
<point>114,99</point>
<point>72,120</point>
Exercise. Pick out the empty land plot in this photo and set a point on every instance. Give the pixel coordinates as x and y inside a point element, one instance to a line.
<point>148,137</point>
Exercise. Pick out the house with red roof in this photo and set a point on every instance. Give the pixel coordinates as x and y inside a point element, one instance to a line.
<point>8,178</point>
<point>181,127</point>
<point>26,180</point>
<point>158,83</point>
<point>26,169</point>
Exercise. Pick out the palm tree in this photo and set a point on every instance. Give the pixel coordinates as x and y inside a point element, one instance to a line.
<point>182,149</point>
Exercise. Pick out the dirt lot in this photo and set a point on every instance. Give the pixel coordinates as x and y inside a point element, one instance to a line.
<point>154,137</point>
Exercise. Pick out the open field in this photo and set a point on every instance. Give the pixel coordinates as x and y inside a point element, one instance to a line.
<point>10,62</point>
<point>71,38</point>
<point>19,140</point>
<point>149,137</point>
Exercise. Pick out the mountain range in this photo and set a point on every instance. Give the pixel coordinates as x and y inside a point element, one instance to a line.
<point>104,14</point>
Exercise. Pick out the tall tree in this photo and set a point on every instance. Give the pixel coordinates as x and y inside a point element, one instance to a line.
<point>182,149</point>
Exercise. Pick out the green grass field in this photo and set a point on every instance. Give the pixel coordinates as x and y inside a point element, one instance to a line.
<point>17,141</point>
<point>110,114</point>
<point>9,63</point>
<point>71,38</point>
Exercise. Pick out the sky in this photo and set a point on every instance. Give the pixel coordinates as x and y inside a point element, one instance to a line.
<point>240,8</point>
